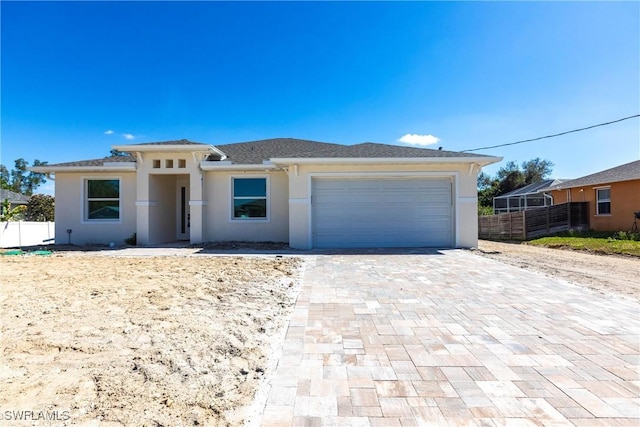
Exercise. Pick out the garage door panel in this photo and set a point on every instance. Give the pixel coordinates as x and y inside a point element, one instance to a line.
<point>381,212</point>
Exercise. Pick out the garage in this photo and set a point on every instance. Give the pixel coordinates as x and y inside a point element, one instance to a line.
<point>382,212</point>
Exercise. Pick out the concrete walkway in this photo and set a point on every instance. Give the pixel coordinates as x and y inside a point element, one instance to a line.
<point>450,338</point>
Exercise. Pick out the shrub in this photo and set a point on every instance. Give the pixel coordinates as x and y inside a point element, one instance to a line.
<point>41,208</point>
<point>132,240</point>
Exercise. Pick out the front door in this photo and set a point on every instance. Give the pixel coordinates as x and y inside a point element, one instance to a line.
<point>182,209</point>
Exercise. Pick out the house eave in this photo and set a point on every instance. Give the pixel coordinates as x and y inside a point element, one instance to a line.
<point>171,148</point>
<point>128,167</point>
<point>481,161</point>
<point>218,166</point>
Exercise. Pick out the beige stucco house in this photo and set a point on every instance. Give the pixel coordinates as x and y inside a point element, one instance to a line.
<point>309,194</point>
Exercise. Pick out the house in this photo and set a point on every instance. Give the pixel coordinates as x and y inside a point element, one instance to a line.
<point>613,196</point>
<point>15,199</point>
<point>528,197</point>
<point>309,194</point>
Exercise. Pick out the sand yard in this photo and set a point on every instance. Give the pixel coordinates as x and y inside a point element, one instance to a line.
<point>181,340</point>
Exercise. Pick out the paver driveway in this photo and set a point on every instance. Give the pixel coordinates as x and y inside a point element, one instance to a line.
<point>451,338</point>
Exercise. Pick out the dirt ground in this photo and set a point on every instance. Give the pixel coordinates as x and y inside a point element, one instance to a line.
<point>602,273</point>
<point>143,341</point>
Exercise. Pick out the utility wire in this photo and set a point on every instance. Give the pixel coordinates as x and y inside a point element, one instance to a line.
<point>551,136</point>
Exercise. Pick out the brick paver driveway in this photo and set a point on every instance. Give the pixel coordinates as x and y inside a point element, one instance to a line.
<point>451,338</point>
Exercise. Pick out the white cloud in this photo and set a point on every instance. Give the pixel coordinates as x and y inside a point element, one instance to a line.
<point>421,140</point>
<point>109,132</point>
<point>128,136</point>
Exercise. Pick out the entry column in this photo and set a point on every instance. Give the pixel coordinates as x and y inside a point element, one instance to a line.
<point>196,206</point>
<point>142,208</point>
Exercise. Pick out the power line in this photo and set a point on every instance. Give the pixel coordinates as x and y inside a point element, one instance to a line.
<point>551,136</point>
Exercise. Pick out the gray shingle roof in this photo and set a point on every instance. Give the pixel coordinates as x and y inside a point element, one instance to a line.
<point>626,172</point>
<point>96,162</point>
<point>13,197</point>
<point>255,152</point>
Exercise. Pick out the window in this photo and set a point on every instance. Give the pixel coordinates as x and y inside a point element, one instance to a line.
<point>169,163</point>
<point>182,163</point>
<point>156,164</point>
<point>249,198</point>
<point>603,201</point>
<point>102,200</point>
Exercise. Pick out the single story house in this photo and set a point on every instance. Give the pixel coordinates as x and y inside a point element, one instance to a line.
<point>530,196</point>
<point>15,199</point>
<point>613,196</point>
<point>309,194</point>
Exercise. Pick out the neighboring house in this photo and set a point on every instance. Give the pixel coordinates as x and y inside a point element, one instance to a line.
<point>309,194</point>
<point>613,196</point>
<point>528,197</point>
<point>15,199</point>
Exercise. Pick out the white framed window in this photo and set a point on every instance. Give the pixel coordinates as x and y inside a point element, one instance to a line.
<point>250,198</point>
<point>603,201</point>
<point>102,199</point>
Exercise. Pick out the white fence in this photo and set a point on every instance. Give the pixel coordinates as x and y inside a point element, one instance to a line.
<point>26,233</point>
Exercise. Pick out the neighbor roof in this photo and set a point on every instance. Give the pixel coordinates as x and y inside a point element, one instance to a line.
<point>535,188</point>
<point>13,197</point>
<point>626,172</point>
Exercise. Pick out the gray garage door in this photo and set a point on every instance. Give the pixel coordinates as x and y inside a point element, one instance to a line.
<point>404,212</point>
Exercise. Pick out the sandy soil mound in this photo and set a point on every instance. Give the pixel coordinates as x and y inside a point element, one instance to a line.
<point>139,341</point>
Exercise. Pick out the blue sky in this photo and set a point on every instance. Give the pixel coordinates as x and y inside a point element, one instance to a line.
<point>78,77</point>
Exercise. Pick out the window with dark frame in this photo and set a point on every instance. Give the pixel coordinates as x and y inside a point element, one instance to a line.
<point>102,200</point>
<point>249,198</point>
<point>603,201</point>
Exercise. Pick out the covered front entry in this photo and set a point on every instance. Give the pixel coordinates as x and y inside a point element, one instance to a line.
<point>169,210</point>
<point>382,212</point>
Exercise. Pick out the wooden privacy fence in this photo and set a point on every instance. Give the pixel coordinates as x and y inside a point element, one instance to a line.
<point>534,222</point>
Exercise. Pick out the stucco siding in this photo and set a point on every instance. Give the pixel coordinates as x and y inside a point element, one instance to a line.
<point>70,210</point>
<point>218,212</point>
<point>625,200</point>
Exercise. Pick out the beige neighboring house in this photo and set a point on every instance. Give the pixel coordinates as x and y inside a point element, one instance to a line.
<point>308,194</point>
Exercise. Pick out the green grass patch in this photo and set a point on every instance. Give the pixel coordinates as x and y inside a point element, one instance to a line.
<point>601,245</point>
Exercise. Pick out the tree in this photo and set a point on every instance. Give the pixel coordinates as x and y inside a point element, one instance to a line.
<point>41,207</point>
<point>4,178</point>
<point>511,177</point>
<point>117,153</point>
<point>21,180</point>
<point>11,214</point>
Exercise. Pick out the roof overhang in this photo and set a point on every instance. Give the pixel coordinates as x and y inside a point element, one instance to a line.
<point>117,167</point>
<point>170,148</point>
<point>480,161</point>
<point>228,166</point>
